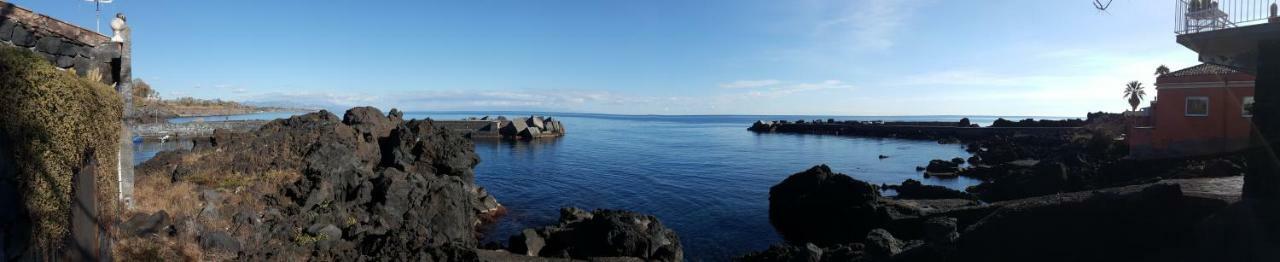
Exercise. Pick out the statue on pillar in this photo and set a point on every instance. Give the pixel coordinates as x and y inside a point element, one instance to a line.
<point>119,29</point>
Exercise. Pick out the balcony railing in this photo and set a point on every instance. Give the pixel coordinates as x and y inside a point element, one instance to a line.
<point>1194,16</point>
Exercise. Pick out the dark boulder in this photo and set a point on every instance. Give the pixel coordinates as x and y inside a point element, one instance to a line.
<point>763,126</point>
<point>940,230</point>
<point>370,122</point>
<point>1222,168</point>
<point>881,244</point>
<point>941,166</point>
<point>220,241</point>
<point>808,252</point>
<point>1043,178</point>
<point>145,224</point>
<point>913,189</point>
<point>601,233</point>
<point>528,242</point>
<point>822,207</point>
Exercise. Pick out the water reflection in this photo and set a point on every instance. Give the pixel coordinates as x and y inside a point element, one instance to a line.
<point>147,149</point>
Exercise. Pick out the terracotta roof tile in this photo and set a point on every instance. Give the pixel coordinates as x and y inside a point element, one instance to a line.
<point>1202,70</point>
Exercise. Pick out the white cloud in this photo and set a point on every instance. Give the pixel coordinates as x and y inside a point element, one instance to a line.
<point>750,83</point>
<point>788,89</point>
<point>971,77</point>
<point>315,99</point>
<point>559,100</point>
<point>869,24</point>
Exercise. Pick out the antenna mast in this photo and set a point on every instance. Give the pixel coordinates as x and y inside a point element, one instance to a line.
<point>97,9</point>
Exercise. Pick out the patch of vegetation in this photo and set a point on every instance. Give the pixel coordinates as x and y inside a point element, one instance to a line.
<point>305,239</point>
<point>54,117</point>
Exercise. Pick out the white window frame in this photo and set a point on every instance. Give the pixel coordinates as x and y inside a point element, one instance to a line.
<point>1244,103</point>
<point>1186,106</point>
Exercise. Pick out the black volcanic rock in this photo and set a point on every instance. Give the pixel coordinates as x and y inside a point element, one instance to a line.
<point>913,189</point>
<point>1042,178</point>
<point>368,185</point>
<point>808,252</point>
<point>822,207</point>
<point>601,233</point>
<point>942,166</point>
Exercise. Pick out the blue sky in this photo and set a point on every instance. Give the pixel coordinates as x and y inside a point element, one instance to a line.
<point>860,57</point>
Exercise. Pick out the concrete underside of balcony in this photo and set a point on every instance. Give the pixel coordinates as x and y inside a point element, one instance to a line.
<point>1236,47</point>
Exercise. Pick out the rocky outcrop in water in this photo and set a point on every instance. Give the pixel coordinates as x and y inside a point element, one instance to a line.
<point>600,234</point>
<point>368,185</point>
<point>913,189</point>
<point>822,207</point>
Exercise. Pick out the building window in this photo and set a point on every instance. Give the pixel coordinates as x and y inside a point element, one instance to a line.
<point>1247,106</point>
<point>1197,106</point>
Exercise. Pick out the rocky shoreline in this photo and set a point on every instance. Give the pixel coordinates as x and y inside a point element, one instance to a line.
<point>371,186</point>
<point>366,186</point>
<point>1072,196</point>
<point>827,216</point>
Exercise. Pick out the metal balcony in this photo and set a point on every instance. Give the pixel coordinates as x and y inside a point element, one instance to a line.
<point>1195,16</point>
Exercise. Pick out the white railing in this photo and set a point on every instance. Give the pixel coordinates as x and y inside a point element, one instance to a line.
<point>1194,16</point>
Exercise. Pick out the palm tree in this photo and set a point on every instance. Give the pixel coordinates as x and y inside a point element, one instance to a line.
<point>1135,94</point>
<point>1162,70</point>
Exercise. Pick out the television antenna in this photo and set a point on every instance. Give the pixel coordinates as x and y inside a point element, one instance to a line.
<point>1100,6</point>
<point>97,7</point>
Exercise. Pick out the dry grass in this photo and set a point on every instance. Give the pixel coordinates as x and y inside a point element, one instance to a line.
<point>156,248</point>
<point>155,193</point>
<point>181,200</point>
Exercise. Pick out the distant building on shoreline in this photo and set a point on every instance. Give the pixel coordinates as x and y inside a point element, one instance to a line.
<point>1199,110</point>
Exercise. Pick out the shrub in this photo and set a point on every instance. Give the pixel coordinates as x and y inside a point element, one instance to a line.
<point>52,117</point>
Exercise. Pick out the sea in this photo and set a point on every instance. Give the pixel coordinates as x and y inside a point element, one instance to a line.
<point>704,176</point>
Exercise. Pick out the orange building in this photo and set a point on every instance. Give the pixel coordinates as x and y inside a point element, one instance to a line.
<point>1200,110</point>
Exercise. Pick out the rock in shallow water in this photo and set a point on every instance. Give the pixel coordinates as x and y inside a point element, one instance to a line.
<point>824,208</point>
<point>913,189</point>
<point>601,233</point>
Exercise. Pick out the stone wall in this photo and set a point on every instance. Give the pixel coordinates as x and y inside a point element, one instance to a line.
<point>65,45</point>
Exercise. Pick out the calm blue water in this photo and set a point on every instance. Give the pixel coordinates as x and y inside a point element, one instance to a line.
<point>706,177</point>
<point>258,116</point>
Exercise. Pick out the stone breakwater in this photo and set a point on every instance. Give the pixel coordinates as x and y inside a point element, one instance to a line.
<point>908,130</point>
<point>531,127</point>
